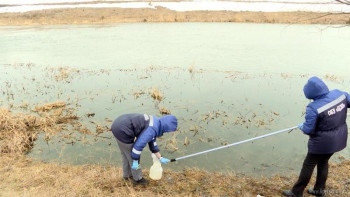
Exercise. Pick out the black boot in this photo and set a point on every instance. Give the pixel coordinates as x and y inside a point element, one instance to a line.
<point>289,193</point>
<point>318,193</point>
<point>142,181</point>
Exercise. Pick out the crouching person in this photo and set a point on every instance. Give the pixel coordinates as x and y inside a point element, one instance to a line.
<point>133,132</point>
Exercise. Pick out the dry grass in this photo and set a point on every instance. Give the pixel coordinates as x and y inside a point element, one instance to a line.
<point>164,111</point>
<point>156,94</point>
<point>191,69</point>
<point>125,15</point>
<point>20,176</point>
<point>171,144</point>
<point>50,106</point>
<point>18,131</point>
<point>137,94</point>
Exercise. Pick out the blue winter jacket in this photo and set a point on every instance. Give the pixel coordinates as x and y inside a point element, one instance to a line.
<point>142,129</point>
<point>325,119</point>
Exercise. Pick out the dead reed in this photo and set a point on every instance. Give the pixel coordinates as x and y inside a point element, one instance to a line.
<point>18,131</point>
<point>156,94</point>
<point>171,144</point>
<point>64,73</point>
<point>164,111</point>
<point>191,69</point>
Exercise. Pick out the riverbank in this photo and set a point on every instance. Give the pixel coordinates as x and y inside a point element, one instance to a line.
<point>21,176</point>
<point>161,14</point>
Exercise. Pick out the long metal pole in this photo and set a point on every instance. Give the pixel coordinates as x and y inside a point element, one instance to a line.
<point>236,143</point>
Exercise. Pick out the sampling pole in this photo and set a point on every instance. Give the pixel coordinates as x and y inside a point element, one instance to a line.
<point>236,143</point>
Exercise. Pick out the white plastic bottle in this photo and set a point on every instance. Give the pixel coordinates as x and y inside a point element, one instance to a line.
<point>156,170</point>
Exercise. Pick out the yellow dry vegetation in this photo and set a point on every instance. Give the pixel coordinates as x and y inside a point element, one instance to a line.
<point>164,111</point>
<point>20,176</point>
<point>156,94</point>
<point>18,131</point>
<point>161,14</point>
<point>49,106</point>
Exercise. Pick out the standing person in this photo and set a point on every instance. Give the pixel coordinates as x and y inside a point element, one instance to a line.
<point>133,132</point>
<point>325,123</point>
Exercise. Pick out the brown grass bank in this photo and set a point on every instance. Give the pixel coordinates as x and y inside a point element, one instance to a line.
<point>20,176</point>
<point>123,15</point>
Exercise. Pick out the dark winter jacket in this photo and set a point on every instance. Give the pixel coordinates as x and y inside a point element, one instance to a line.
<point>142,129</point>
<point>325,119</point>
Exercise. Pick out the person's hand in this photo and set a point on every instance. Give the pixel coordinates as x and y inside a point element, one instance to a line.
<point>300,126</point>
<point>135,165</point>
<point>164,160</point>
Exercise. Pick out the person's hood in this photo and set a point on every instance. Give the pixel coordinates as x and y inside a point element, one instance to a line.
<point>167,124</point>
<point>314,88</point>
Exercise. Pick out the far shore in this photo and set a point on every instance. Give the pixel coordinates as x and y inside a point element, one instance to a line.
<point>144,15</point>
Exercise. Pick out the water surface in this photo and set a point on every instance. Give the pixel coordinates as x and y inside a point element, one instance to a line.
<point>229,82</point>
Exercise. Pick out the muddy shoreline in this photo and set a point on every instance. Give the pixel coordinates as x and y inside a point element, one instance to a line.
<point>141,15</point>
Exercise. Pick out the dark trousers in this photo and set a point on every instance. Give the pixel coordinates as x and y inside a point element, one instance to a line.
<point>311,160</point>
